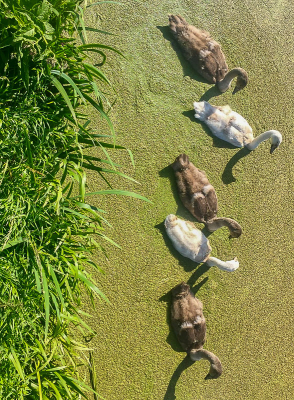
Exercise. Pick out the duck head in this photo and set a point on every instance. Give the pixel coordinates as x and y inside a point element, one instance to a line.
<point>180,163</point>
<point>276,140</point>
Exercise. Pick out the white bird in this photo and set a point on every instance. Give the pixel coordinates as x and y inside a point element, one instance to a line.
<point>232,127</point>
<point>191,243</point>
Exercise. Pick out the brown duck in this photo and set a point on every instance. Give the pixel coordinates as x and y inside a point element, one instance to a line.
<point>199,196</point>
<point>205,55</point>
<point>189,325</point>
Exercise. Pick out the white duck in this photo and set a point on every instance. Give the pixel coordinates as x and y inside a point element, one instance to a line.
<point>232,127</point>
<point>191,243</point>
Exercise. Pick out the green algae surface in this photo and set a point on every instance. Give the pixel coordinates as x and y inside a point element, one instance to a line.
<point>249,312</point>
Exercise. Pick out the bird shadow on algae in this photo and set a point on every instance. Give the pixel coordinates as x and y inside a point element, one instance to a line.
<point>188,70</point>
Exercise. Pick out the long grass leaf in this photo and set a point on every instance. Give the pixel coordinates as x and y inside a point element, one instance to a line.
<point>99,46</point>
<point>121,193</point>
<point>38,281</point>
<point>13,357</point>
<point>96,72</point>
<point>70,81</point>
<point>102,113</point>
<point>106,170</point>
<point>81,384</point>
<point>109,240</point>
<point>83,216</point>
<point>14,242</point>
<point>131,157</point>
<point>92,286</point>
<point>40,386</point>
<point>83,36</point>
<point>46,301</point>
<point>63,93</point>
<point>57,393</point>
<point>63,383</point>
<point>57,287</point>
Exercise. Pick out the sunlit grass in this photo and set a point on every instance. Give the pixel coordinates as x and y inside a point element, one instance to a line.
<point>48,229</point>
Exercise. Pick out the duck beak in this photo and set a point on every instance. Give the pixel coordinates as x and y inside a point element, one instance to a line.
<point>236,89</point>
<point>273,147</point>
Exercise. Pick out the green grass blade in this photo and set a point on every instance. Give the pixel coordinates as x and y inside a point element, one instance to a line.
<point>57,393</point>
<point>121,193</point>
<point>131,157</point>
<point>95,71</point>
<point>52,273</point>
<point>100,46</point>
<point>14,242</point>
<point>102,113</point>
<point>47,301</point>
<point>70,81</point>
<point>109,171</point>
<point>92,286</point>
<point>13,357</point>
<point>39,386</point>
<point>63,93</point>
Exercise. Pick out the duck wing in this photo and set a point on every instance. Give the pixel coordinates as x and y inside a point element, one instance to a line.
<point>204,205</point>
<point>188,321</point>
<point>212,62</point>
<point>239,123</point>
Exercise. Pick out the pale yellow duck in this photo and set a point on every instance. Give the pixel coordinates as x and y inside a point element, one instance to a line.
<point>232,127</point>
<point>191,243</point>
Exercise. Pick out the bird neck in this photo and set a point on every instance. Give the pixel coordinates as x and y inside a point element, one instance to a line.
<point>216,223</point>
<point>215,364</point>
<point>229,266</point>
<point>260,138</point>
<point>225,83</point>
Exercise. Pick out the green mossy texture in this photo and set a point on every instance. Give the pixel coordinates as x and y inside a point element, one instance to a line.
<point>249,312</point>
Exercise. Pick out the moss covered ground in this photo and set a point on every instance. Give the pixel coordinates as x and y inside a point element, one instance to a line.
<point>249,312</point>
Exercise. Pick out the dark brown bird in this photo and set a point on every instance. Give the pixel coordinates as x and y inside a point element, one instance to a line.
<point>205,55</point>
<point>189,325</point>
<point>199,196</point>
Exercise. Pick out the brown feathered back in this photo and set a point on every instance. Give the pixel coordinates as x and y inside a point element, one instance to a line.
<point>204,53</point>
<point>195,191</point>
<point>187,318</point>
